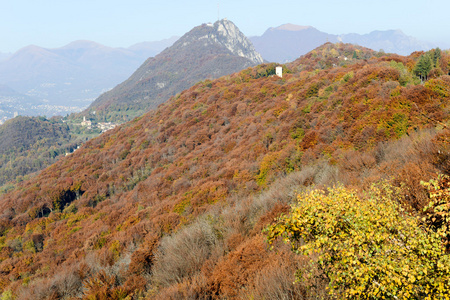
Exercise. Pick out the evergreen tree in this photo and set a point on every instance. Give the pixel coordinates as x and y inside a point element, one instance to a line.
<point>424,66</point>
<point>437,57</point>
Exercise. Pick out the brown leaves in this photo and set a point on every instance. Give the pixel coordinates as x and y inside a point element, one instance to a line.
<point>152,176</point>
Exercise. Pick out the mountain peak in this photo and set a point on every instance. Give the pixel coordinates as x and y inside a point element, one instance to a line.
<point>223,33</point>
<point>236,41</point>
<point>292,27</point>
<point>31,49</point>
<point>82,44</point>
<point>30,54</point>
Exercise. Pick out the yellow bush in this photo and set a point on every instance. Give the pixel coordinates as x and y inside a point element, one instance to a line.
<point>368,247</point>
<point>438,209</point>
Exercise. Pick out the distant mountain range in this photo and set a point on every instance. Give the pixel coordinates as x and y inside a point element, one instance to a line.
<point>288,42</point>
<point>390,41</point>
<point>73,75</point>
<point>208,51</point>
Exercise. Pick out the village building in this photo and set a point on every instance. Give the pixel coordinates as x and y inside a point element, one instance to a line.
<point>86,123</point>
<point>279,71</point>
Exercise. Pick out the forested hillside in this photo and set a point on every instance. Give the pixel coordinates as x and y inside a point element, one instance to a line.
<point>174,204</point>
<point>28,144</point>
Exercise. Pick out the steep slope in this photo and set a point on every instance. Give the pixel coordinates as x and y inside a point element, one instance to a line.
<point>98,222</point>
<point>207,51</point>
<point>287,42</point>
<point>31,144</point>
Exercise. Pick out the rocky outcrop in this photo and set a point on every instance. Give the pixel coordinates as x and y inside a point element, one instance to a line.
<point>225,34</point>
<point>234,40</point>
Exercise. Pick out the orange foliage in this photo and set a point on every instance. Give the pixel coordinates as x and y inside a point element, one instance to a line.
<point>235,135</point>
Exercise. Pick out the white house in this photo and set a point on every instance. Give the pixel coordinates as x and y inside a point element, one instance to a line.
<point>279,71</point>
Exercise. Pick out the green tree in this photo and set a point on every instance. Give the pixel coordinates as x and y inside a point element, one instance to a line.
<point>424,66</point>
<point>367,246</point>
<point>437,57</point>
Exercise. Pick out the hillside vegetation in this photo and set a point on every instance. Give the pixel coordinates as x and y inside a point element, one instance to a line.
<point>29,144</point>
<point>173,204</point>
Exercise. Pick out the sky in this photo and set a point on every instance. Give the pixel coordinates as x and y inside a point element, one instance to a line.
<point>122,23</point>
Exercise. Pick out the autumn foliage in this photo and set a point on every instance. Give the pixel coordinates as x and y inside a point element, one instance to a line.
<point>367,246</point>
<point>210,168</point>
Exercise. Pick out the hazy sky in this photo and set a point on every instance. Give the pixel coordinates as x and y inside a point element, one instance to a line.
<point>121,23</point>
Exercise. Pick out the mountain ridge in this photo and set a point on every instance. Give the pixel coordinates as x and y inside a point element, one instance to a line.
<point>394,41</point>
<point>289,41</point>
<point>279,45</point>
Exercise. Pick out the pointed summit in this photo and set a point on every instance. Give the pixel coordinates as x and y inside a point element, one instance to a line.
<point>234,40</point>
<point>207,51</point>
<point>222,33</point>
